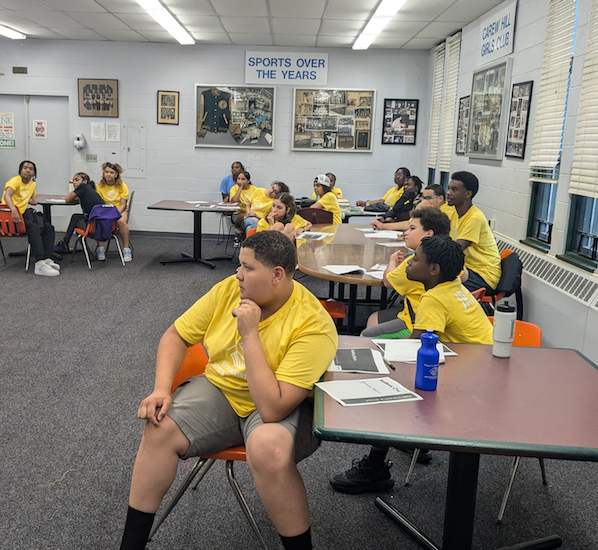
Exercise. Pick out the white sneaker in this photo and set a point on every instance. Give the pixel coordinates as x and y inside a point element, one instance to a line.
<point>42,268</point>
<point>52,264</point>
<point>127,257</point>
<point>101,253</point>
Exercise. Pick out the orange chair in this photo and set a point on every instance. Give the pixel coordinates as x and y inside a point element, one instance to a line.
<point>89,231</point>
<point>250,231</point>
<point>8,228</point>
<point>526,335</point>
<point>194,364</point>
<point>479,294</point>
<point>336,309</point>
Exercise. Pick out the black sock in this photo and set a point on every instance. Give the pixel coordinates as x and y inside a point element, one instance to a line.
<point>377,456</point>
<point>300,542</point>
<point>137,530</point>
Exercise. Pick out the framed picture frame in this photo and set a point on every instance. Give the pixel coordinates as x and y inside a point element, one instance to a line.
<point>521,97</point>
<point>98,97</point>
<point>487,127</point>
<point>462,125</point>
<point>168,107</point>
<point>399,125</point>
<point>332,120</point>
<point>234,116</point>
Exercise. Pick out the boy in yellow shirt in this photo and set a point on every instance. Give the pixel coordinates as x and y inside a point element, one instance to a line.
<point>268,340</point>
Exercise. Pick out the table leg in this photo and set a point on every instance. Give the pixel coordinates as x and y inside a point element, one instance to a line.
<point>196,245</point>
<point>47,209</point>
<point>352,308</point>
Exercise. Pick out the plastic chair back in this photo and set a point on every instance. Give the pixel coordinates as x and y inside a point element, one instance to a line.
<point>194,363</point>
<point>130,205</point>
<point>8,228</point>
<point>316,215</point>
<point>527,335</point>
<point>479,294</point>
<point>250,231</point>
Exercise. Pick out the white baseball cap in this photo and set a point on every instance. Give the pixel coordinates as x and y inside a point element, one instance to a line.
<point>322,179</point>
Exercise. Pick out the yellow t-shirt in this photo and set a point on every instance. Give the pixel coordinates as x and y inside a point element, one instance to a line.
<point>246,197</point>
<point>22,192</point>
<point>392,196</point>
<point>453,313</point>
<point>261,203</point>
<point>335,190</point>
<point>482,254</point>
<point>113,194</point>
<point>412,290</point>
<point>329,202</point>
<point>299,340</point>
<point>450,212</point>
<point>297,222</point>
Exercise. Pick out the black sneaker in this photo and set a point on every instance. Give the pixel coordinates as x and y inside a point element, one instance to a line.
<point>363,478</point>
<point>61,248</point>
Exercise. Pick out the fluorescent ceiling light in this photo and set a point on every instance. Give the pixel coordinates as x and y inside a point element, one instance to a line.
<point>9,33</point>
<point>168,22</point>
<point>386,10</point>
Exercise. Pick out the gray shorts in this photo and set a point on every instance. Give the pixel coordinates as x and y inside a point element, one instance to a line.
<point>208,421</point>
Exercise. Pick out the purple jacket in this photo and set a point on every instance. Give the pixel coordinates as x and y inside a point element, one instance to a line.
<point>104,216</point>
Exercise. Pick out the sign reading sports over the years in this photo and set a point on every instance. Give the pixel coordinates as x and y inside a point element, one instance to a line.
<point>286,68</point>
<point>7,130</point>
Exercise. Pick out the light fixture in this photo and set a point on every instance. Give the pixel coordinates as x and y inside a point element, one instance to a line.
<point>386,10</point>
<point>9,33</point>
<point>165,18</point>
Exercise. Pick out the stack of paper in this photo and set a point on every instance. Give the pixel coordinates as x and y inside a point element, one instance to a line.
<point>364,360</point>
<point>384,234</point>
<point>405,350</point>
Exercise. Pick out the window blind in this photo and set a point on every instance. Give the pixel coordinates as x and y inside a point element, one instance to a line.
<point>447,143</point>
<point>584,175</point>
<point>554,84</point>
<point>437,86</point>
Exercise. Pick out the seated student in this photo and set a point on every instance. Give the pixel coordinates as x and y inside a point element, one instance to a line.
<point>114,191</point>
<point>244,193</point>
<point>85,193</point>
<point>283,217</point>
<point>433,195</point>
<point>229,181</point>
<point>471,230</point>
<point>261,205</point>
<point>327,199</point>
<point>19,192</point>
<point>269,340</point>
<point>335,190</point>
<point>446,307</point>
<point>394,193</point>
<point>409,200</point>
<point>396,322</point>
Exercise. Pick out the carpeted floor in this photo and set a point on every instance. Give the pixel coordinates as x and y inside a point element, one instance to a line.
<point>77,356</point>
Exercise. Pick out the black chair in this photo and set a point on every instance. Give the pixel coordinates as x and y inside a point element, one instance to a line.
<point>316,215</point>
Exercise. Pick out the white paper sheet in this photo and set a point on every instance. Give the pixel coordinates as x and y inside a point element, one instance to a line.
<point>350,360</point>
<point>372,391</point>
<point>405,350</point>
<point>384,234</point>
<point>345,269</point>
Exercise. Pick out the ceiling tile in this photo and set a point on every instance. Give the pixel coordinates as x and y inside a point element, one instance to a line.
<point>16,21</point>
<point>468,10</point>
<point>201,23</point>
<point>421,10</point>
<point>123,35</point>
<point>121,6</point>
<point>80,34</point>
<point>246,25</point>
<point>304,9</point>
<point>26,5</point>
<point>421,43</point>
<point>139,21</point>
<point>389,42</point>
<point>360,10</point>
<point>78,5</point>
<point>439,30</point>
<point>99,21</point>
<point>190,7</point>
<point>295,26</point>
<point>247,8</point>
<point>211,37</point>
<point>334,41</point>
<point>294,40</point>
<point>51,19</point>
<point>47,34</point>
<point>403,28</point>
<point>152,36</point>
<point>251,39</point>
<point>336,27</point>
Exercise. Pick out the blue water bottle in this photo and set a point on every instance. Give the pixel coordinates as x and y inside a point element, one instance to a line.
<point>426,371</point>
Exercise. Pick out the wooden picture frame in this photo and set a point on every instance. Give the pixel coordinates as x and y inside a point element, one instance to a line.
<point>487,127</point>
<point>168,107</point>
<point>462,125</point>
<point>521,97</point>
<point>399,125</point>
<point>333,120</point>
<point>234,116</point>
<point>98,97</point>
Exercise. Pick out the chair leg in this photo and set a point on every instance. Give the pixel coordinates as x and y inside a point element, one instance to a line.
<point>412,465</point>
<point>28,257</point>
<point>120,253</point>
<point>505,497</point>
<point>2,249</point>
<point>543,470</point>
<point>86,251</point>
<point>242,502</point>
<point>208,462</point>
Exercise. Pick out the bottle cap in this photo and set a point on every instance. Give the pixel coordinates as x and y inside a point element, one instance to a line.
<point>505,308</point>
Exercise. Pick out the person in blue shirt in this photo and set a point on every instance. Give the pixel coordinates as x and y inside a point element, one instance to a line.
<point>229,181</point>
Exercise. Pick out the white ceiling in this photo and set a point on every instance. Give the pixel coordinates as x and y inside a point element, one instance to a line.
<point>420,24</point>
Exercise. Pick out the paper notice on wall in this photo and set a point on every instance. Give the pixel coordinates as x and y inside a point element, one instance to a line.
<point>7,130</point>
<point>98,131</point>
<point>112,131</point>
<point>40,129</point>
